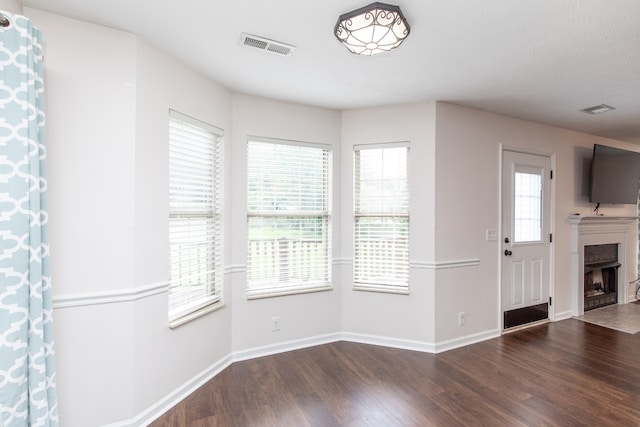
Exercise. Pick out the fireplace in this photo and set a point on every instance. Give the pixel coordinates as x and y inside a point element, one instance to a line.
<point>600,275</point>
<point>619,232</point>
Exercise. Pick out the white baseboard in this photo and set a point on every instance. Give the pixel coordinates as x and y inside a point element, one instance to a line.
<point>163,405</point>
<point>562,316</point>
<point>389,342</point>
<point>168,402</point>
<point>447,345</point>
<point>282,347</point>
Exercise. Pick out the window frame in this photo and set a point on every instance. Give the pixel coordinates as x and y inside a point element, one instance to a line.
<point>273,288</point>
<point>194,307</point>
<point>360,280</point>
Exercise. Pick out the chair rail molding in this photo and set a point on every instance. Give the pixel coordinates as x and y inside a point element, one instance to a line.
<point>441,265</point>
<point>109,297</point>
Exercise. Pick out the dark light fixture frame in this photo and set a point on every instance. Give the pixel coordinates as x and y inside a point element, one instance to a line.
<point>375,10</point>
<point>4,21</point>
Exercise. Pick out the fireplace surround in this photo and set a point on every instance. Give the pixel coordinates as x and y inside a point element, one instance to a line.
<point>618,233</point>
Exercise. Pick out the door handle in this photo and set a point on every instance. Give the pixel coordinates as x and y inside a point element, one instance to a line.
<point>507,252</point>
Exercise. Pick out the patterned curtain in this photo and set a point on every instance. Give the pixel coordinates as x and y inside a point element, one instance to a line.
<point>27,373</point>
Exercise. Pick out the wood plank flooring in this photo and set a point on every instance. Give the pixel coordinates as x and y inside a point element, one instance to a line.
<point>568,373</point>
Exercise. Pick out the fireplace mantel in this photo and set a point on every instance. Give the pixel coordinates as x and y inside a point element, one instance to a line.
<point>600,219</point>
<point>598,230</point>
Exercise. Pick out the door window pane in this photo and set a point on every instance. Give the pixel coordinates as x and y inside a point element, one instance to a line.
<point>527,207</point>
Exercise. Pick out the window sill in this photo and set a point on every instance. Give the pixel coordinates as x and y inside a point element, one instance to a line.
<point>381,289</point>
<point>216,305</point>
<point>272,293</point>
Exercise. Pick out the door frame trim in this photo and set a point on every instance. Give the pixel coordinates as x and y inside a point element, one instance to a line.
<point>552,214</point>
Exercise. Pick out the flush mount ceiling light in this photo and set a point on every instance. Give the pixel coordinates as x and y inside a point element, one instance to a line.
<point>597,109</point>
<point>372,29</point>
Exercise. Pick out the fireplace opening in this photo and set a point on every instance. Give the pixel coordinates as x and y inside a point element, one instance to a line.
<point>600,275</point>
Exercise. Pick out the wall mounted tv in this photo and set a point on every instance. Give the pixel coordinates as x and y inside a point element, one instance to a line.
<point>615,174</point>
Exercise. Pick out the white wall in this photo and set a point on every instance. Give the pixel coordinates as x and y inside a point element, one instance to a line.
<point>467,183</point>
<point>301,316</point>
<point>90,100</point>
<point>90,105</point>
<point>12,6</point>
<point>398,317</point>
<point>108,95</point>
<point>162,83</point>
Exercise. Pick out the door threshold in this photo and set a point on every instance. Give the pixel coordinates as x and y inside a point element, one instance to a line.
<point>525,326</point>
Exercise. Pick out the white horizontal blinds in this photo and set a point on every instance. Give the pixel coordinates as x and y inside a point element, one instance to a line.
<point>288,207</point>
<point>195,215</point>
<point>381,215</point>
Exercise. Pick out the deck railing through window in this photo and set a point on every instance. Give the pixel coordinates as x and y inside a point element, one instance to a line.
<point>289,259</point>
<point>292,259</point>
<point>384,260</point>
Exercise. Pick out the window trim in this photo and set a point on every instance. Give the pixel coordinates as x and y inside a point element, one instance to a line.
<point>272,290</point>
<point>213,300</point>
<point>373,287</point>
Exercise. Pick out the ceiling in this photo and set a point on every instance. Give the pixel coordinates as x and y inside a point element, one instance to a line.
<point>540,60</point>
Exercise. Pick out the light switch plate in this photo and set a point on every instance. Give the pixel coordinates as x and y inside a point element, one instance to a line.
<point>492,235</point>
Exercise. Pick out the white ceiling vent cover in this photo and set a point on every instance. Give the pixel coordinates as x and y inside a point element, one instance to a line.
<point>261,43</point>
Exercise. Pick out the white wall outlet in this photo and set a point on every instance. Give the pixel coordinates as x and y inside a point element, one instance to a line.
<point>275,323</point>
<point>461,318</point>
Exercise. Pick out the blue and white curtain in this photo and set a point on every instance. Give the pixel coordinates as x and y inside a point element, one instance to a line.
<point>27,372</point>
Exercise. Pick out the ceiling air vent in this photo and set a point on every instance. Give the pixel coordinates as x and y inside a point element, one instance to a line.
<point>261,43</point>
<point>597,109</point>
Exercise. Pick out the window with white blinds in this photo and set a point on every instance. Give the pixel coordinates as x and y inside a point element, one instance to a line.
<point>195,216</point>
<point>381,217</point>
<point>288,217</point>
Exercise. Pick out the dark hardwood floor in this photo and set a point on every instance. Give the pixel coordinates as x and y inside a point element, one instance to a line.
<point>567,373</point>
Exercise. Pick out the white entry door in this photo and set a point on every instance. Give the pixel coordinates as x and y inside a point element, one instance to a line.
<point>526,240</point>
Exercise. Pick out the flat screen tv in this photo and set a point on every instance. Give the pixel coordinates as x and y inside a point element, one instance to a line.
<point>615,174</point>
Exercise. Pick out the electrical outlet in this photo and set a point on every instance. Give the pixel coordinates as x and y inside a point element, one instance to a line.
<point>461,319</point>
<point>275,323</point>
